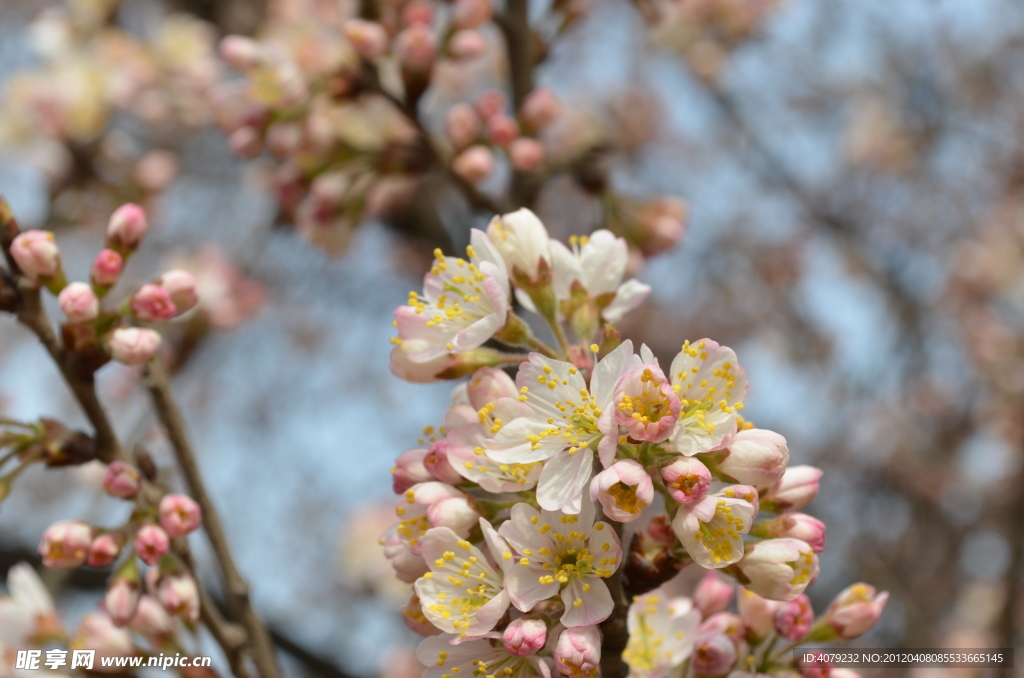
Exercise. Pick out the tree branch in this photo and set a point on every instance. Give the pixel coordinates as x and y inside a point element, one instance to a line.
<point>474,196</point>
<point>237,589</point>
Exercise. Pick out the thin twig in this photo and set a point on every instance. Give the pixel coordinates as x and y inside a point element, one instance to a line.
<point>237,588</point>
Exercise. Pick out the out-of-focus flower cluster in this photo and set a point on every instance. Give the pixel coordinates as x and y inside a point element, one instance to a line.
<point>106,108</point>
<point>520,518</point>
<point>333,98</point>
<point>707,32</point>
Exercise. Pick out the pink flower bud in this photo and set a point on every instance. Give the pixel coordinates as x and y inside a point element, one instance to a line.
<point>132,345</point>
<point>525,636</point>
<point>436,462</point>
<point>179,596</point>
<point>467,44</point>
<point>106,269</point>
<point>757,614</point>
<point>713,655</point>
<point>97,632</point>
<point>368,38</point>
<point>151,543</point>
<point>122,480</point>
<point>153,303</point>
<point>455,513</point>
<point>726,624</point>
<point>796,525</point>
<point>151,619</point>
<point>794,490</point>
<point>578,651</point>
<point>181,286</point>
<point>416,48</point>
<point>526,154</point>
<point>489,385</point>
<point>241,53</point>
<point>662,223</point>
<point>122,600</point>
<point>65,544</point>
<point>779,569</point>
<point>712,595</point>
<point>246,141</point>
<point>409,469</point>
<point>623,489</point>
<point>686,479</point>
<point>36,254</point>
<point>105,549</point>
<point>179,515</point>
<point>79,303</point>
<point>462,125</point>
<point>418,13</point>
<point>156,170</point>
<point>127,228</point>
<point>855,611</point>
<point>793,619</point>
<point>474,164</point>
<point>491,103</point>
<point>540,109</point>
<point>502,129</point>
<point>755,457</point>
<point>471,13</point>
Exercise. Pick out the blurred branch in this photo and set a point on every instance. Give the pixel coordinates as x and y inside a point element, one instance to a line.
<point>95,580</point>
<point>32,315</point>
<point>515,26</point>
<point>1006,626</point>
<point>170,416</point>
<point>410,110</point>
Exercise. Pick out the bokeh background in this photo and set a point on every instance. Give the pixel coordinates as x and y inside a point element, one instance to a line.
<point>853,172</point>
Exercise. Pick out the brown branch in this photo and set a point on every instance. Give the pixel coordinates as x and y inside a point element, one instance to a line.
<point>237,589</point>
<point>31,314</point>
<point>515,26</point>
<point>231,637</point>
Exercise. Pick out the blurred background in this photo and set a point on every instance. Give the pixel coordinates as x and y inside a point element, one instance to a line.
<point>835,189</point>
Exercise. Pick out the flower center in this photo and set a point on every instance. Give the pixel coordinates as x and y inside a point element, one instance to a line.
<point>625,497</point>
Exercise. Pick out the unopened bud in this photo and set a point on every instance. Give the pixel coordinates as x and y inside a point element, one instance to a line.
<point>65,544</point>
<point>37,255</point>
<point>368,38</point>
<point>525,636</point>
<point>152,544</point>
<point>179,515</point>
<point>133,345</point>
<point>127,228</point>
<point>106,268</point>
<point>79,303</point>
<point>181,286</point>
<point>474,164</point>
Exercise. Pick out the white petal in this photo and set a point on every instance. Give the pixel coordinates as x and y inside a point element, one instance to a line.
<point>596,604</point>
<point>564,480</point>
<point>630,294</point>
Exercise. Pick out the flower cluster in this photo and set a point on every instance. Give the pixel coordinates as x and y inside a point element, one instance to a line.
<point>93,333</point>
<point>667,631</point>
<point>94,327</point>
<point>707,32</point>
<point>513,515</point>
<point>78,116</point>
